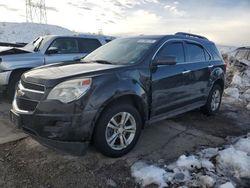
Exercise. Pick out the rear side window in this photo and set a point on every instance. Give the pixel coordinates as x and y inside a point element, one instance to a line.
<point>173,49</point>
<point>65,45</point>
<point>195,53</point>
<point>88,45</point>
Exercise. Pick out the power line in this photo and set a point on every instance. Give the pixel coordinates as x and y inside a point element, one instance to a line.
<point>36,11</point>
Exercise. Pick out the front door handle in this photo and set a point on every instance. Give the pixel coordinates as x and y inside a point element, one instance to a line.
<point>210,66</point>
<point>186,72</point>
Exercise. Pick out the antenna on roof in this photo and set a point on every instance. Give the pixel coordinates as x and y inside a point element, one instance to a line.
<point>36,11</point>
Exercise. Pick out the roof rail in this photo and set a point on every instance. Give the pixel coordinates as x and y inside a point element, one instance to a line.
<point>191,35</point>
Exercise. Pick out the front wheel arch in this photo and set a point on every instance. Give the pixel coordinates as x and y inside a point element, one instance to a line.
<point>133,99</point>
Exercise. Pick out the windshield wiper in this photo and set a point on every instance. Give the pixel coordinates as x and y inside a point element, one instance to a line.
<point>104,62</point>
<point>38,46</point>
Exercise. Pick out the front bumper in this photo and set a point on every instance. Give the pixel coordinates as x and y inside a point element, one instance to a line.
<point>68,132</point>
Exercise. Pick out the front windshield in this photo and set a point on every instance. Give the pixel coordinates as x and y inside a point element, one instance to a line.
<point>37,44</point>
<point>121,51</point>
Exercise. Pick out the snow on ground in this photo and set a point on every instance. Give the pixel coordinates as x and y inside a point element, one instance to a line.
<point>237,82</point>
<point>225,167</point>
<point>26,32</point>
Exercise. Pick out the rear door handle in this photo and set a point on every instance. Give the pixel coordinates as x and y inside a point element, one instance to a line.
<point>210,66</point>
<point>186,72</point>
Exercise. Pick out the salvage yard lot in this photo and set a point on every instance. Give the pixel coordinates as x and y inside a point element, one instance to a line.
<point>26,163</point>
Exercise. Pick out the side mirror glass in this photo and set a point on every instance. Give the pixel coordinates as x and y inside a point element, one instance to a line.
<point>52,50</point>
<point>166,60</point>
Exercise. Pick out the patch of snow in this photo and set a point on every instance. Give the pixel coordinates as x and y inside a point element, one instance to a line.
<point>208,152</point>
<point>211,167</point>
<point>148,174</point>
<point>243,145</point>
<point>236,79</point>
<point>26,32</point>
<point>248,107</point>
<point>189,162</point>
<point>206,181</point>
<point>234,162</point>
<point>232,92</point>
<point>227,185</point>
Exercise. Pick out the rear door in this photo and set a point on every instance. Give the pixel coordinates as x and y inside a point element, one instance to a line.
<point>200,66</point>
<point>68,50</point>
<point>170,83</point>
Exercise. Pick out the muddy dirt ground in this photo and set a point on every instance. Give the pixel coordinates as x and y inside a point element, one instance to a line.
<point>26,163</point>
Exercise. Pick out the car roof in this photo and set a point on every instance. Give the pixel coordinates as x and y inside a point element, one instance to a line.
<point>179,35</point>
<point>82,36</point>
<point>244,48</point>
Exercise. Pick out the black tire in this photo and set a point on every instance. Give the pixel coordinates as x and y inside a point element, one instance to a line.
<point>208,108</point>
<point>99,139</point>
<point>14,79</point>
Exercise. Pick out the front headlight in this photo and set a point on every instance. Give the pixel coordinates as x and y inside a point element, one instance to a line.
<point>70,90</point>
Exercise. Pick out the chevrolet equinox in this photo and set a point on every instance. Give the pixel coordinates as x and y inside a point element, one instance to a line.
<point>108,97</point>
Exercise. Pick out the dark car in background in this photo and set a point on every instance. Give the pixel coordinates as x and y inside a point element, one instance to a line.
<point>109,96</point>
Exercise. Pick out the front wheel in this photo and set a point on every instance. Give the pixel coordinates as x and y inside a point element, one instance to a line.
<point>214,100</point>
<point>117,130</point>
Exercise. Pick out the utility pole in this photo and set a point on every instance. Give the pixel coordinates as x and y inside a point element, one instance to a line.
<point>36,11</point>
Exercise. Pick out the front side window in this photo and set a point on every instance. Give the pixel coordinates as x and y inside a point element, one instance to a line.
<point>173,49</point>
<point>88,45</point>
<point>195,53</point>
<point>65,45</point>
<point>37,44</point>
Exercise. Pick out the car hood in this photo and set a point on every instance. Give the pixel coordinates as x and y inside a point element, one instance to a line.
<point>12,51</point>
<point>48,75</point>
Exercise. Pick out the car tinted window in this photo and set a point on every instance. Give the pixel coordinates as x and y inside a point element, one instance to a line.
<point>248,55</point>
<point>88,45</point>
<point>65,45</point>
<point>173,49</point>
<point>195,53</point>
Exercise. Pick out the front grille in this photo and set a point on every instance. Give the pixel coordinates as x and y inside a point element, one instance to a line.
<point>25,104</point>
<point>28,95</point>
<point>32,86</point>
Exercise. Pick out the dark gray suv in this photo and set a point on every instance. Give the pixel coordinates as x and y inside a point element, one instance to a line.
<point>109,96</point>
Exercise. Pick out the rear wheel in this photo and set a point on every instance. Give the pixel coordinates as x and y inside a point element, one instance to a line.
<point>117,130</point>
<point>214,100</point>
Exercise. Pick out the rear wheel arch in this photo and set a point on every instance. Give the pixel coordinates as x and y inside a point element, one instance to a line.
<point>219,82</point>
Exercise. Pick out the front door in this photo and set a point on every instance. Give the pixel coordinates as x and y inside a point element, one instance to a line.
<point>170,82</point>
<point>67,50</point>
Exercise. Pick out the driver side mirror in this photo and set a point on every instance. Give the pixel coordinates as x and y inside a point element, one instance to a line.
<point>166,60</point>
<point>52,50</point>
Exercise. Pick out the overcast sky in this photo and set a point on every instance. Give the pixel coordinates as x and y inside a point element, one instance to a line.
<point>223,21</point>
